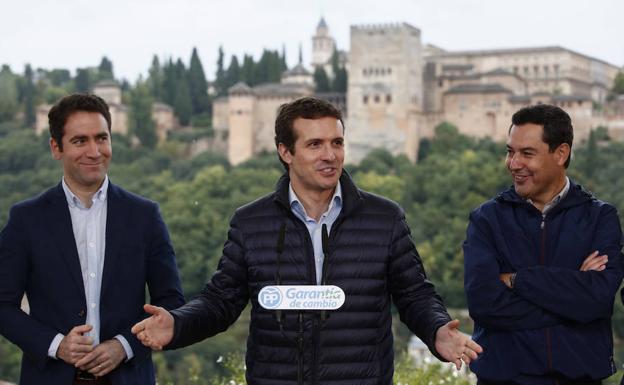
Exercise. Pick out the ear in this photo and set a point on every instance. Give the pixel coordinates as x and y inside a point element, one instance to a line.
<point>284,153</point>
<point>55,149</point>
<point>562,153</point>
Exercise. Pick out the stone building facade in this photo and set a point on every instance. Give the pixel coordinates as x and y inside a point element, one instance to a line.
<point>399,90</point>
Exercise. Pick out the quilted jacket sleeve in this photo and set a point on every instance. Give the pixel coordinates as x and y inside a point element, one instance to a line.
<point>420,307</point>
<point>222,299</point>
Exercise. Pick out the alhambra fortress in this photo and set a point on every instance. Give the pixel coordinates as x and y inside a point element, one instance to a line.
<point>400,89</point>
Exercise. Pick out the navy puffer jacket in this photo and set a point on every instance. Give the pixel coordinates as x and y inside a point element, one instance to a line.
<point>371,257</point>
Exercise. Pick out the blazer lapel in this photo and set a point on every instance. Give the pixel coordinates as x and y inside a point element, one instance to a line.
<point>61,227</point>
<point>115,217</point>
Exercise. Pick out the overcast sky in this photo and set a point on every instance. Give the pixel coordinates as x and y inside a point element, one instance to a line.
<point>77,33</point>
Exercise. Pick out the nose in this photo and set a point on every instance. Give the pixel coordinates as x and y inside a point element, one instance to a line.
<point>328,153</point>
<point>513,162</point>
<point>93,149</point>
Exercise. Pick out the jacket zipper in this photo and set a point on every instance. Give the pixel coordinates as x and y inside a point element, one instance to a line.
<point>547,330</point>
<point>300,339</point>
<point>300,350</point>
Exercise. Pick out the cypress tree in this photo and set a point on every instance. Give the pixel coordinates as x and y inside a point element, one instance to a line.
<point>105,69</point>
<point>321,80</point>
<point>155,80</point>
<point>82,81</point>
<point>220,75</point>
<point>197,84</point>
<point>232,75</point>
<point>28,97</point>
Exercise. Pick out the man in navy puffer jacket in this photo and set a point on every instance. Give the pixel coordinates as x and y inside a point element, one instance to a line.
<point>542,265</point>
<point>277,240</point>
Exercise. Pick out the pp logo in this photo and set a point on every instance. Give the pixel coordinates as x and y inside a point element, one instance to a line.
<point>270,297</point>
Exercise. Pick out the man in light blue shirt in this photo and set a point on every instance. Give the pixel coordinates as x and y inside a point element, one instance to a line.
<point>83,252</point>
<point>315,226</point>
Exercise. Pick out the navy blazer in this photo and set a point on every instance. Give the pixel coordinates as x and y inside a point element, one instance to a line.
<point>38,257</point>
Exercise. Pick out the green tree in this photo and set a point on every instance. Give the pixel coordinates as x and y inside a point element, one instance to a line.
<point>618,85</point>
<point>8,94</point>
<point>140,120</point>
<point>170,82</point>
<point>269,68</point>
<point>220,81</point>
<point>232,75</point>
<point>58,77</point>
<point>28,97</point>
<point>105,69</point>
<point>82,81</point>
<point>339,81</point>
<point>198,84</point>
<point>248,70</point>
<point>155,79</point>
<point>183,104</point>
<point>321,80</point>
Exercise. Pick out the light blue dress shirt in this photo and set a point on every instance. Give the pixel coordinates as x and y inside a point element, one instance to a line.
<point>315,228</point>
<point>89,226</point>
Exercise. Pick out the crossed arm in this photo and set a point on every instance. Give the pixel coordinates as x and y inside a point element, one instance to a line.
<point>541,296</point>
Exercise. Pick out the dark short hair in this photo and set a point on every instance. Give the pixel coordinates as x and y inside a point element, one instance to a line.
<point>556,122</point>
<point>307,108</point>
<point>60,112</point>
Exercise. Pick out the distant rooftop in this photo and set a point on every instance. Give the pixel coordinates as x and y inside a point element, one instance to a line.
<point>478,89</point>
<point>521,50</point>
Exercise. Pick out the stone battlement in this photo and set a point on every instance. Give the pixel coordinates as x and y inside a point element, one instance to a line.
<point>383,28</point>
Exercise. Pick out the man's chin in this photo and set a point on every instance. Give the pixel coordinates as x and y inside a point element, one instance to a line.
<point>522,190</point>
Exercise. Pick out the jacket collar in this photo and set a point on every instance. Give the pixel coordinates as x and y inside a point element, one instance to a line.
<point>576,195</point>
<point>351,197</point>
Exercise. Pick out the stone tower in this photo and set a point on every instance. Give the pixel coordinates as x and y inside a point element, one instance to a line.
<point>385,93</point>
<point>241,120</point>
<point>323,46</point>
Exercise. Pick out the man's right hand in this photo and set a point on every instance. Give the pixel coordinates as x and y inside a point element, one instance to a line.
<point>75,345</point>
<point>156,331</point>
<point>595,262</point>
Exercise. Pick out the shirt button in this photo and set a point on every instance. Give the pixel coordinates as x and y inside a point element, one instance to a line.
<point>93,305</point>
<point>91,244</point>
<point>92,275</point>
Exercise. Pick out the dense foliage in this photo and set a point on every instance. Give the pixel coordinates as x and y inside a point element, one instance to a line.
<point>198,195</point>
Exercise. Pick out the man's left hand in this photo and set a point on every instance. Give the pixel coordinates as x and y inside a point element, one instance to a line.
<point>506,279</point>
<point>455,346</point>
<point>103,358</point>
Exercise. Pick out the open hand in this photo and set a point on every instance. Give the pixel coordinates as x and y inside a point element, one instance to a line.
<point>455,346</point>
<point>156,331</point>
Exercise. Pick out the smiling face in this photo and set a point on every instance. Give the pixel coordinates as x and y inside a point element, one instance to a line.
<point>538,173</point>
<point>315,165</point>
<point>86,150</point>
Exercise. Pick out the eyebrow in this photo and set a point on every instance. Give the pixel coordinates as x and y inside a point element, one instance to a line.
<point>99,135</point>
<point>522,149</point>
